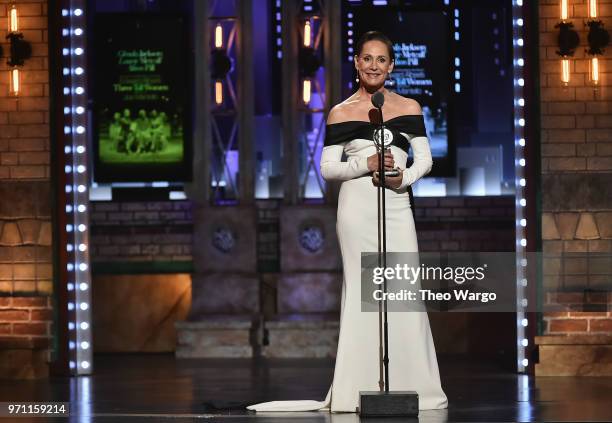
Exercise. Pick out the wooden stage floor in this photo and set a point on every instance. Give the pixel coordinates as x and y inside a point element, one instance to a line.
<point>157,387</point>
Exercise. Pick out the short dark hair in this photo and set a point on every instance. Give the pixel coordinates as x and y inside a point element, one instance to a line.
<point>375,36</point>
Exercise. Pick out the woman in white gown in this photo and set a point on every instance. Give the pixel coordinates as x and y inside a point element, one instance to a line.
<point>350,129</point>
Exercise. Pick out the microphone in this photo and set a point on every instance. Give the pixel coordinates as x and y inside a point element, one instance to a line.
<point>378,99</point>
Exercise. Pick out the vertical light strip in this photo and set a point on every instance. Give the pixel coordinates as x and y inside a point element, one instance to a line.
<point>457,35</point>
<point>77,187</point>
<point>350,42</point>
<point>278,24</point>
<point>457,62</point>
<point>349,35</point>
<point>521,182</point>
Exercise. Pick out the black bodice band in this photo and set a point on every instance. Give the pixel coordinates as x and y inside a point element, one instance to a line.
<point>338,133</point>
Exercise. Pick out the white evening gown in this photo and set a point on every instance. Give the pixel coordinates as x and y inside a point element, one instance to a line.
<point>412,356</point>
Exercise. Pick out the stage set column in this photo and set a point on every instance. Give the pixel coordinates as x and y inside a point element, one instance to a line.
<point>224,316</point>
<point>307,325</point>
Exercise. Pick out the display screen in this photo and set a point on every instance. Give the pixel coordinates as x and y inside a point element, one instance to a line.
<point>422,68</point>
<point>142,105</point>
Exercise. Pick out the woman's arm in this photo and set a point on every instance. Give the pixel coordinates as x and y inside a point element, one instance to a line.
<point>333,168</point>
<point>422,162</point>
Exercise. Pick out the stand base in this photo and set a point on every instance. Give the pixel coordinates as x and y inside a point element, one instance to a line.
<point>388,404</point>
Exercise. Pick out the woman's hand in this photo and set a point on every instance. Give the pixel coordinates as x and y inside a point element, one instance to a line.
<point>393,182</point>
<point>373,161</point>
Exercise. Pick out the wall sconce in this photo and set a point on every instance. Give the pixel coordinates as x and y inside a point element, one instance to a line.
<point>20,50</point>
<point>220,64</point>
<point>567,41</point>
<point>309,61</point>
<point>598,38</point>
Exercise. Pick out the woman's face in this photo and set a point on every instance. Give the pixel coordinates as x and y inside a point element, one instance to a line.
<point>373,64</point>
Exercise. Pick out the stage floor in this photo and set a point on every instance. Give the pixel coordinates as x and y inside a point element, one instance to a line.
<point>157,387</point>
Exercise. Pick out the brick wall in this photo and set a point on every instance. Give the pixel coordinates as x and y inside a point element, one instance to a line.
<point>579,322</point>
<point>25,229</point>
<point>25,214</point>
<point>25,321</point>
<point>27,317</point>
<point>24,138</point>
<point>576,120</point>
<point>25,336</point>
<point>153,231</point>
<point>161,231</point>
<point>465,223</point>
<point>576,149</point>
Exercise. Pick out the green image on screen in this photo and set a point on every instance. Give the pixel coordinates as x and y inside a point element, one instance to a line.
<point>144,136</point>
<point>142,106</point>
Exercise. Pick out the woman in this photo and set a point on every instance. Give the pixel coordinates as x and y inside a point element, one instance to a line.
<point>350,129</point>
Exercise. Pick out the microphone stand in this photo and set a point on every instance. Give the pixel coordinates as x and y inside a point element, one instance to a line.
<point>384,403</point>
<point>382,242</point>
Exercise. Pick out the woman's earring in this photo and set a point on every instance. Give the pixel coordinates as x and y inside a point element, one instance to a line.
<point>357,79</point>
